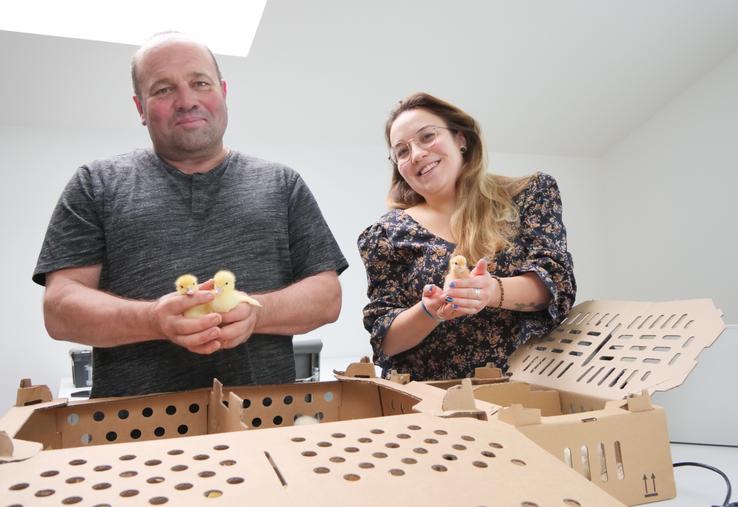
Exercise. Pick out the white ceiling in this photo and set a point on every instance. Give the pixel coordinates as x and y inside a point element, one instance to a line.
<point>566,77</point>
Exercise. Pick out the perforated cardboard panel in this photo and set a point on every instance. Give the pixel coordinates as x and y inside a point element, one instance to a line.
<point>611,349</point>
<point>191,413</point>
<point>397,460</point>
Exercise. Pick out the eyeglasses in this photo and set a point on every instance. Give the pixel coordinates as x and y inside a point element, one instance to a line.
<point>424,139</point>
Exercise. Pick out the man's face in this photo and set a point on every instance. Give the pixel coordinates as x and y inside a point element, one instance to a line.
<point>182,102</point>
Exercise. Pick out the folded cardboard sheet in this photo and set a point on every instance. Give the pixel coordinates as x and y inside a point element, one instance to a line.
<point>396,460</point>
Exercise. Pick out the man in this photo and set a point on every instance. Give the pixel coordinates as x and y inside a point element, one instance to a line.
<point>125,228</point>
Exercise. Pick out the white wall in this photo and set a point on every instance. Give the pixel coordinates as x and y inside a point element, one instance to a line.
<point>37,163</point>
<point>669,199</point>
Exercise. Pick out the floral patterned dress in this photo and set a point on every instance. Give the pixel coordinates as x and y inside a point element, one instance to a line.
<point>401,257</point>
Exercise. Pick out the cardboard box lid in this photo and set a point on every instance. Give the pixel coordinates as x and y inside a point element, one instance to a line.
<point>612,349</point>
<point>411,459</point>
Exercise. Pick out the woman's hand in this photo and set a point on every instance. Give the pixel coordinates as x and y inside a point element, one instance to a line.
<point>433,301</point>
<point>468,296</point>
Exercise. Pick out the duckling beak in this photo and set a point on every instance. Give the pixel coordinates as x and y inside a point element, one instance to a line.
<point>190,291</point>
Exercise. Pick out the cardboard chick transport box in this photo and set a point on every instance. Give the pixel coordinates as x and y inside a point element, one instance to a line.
<point>373,442</point>
<point>582,392</point>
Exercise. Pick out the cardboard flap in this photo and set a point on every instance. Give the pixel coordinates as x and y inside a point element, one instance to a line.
<point>612,349</point>
<point>640,403</point>
<point>361,370</point>
<point>225,411</point>
<point>412,459</point>
<point>487,371</point>
<point>6,445</point>
<point>517,415</point>
<point>460,397</point>
<point>16,450</point>
<point>509,393</point>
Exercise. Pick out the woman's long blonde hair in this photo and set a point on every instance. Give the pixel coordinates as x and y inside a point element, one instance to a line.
<point>485,218</point>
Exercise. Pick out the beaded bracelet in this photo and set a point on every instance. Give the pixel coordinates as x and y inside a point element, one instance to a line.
<point>428,313</point>
<point>502,290</point>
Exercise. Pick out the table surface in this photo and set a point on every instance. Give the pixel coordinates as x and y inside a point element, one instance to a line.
<point>698,487</point>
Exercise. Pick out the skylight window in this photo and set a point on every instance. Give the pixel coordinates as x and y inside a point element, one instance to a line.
<point>226,26</point>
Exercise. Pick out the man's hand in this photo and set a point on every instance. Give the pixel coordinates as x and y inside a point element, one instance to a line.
<point>238,325</point>
<point>197,334</point>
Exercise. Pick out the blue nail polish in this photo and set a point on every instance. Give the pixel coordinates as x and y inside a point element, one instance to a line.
<point>452,285</point>
<point>449,299</point>
<point>455,306</point>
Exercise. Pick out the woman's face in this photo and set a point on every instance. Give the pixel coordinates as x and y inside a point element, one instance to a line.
<point>429,163</point>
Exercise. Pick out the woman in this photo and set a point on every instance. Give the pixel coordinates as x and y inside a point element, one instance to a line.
<point>445,203</point>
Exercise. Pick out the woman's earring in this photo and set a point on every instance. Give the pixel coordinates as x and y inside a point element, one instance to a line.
<point>462,149</point>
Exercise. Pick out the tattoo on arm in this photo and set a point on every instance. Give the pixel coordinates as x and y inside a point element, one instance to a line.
<point>529,307</point>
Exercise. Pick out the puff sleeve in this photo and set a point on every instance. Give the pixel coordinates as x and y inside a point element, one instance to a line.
<point>386,285</point>
<point>543,238</point>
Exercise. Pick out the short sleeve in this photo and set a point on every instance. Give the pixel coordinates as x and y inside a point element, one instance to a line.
<point>313,249</point>
<point>543,236</point>
<point>75,236</point>
<point>385,286</point>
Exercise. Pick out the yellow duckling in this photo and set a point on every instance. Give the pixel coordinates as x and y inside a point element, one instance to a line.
<point>226,295</point>
<point>187,285</point>
<point>457,268</point>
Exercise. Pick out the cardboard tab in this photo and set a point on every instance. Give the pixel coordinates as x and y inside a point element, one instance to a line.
<point>224,415</point>
<point>517,415</point>
<point>487,371</point>
<point>361,370</point>
<point>28,394</point>
<point>640,403</point>
<point>460,397</point>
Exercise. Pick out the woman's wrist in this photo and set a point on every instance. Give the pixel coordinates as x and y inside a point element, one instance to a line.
<point>498,297</point>
<point>428,313</point>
